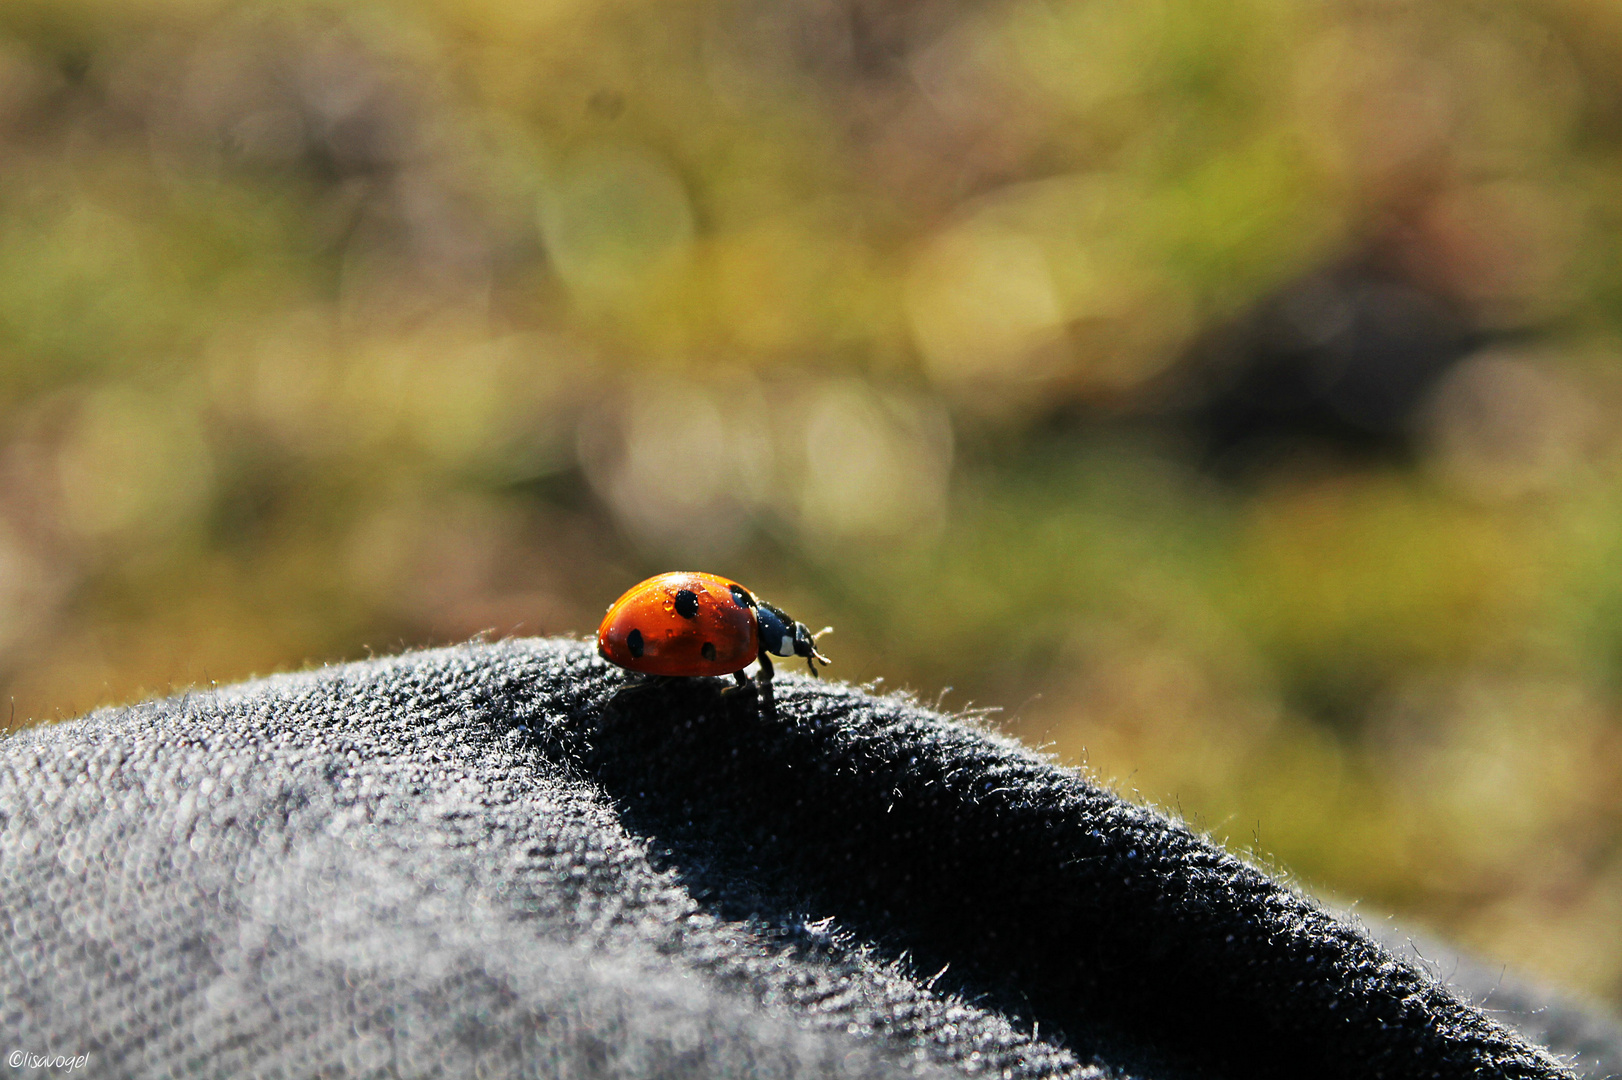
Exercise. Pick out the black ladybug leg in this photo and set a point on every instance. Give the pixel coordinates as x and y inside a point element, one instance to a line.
<point>741,679</point>
<point>768,700</point>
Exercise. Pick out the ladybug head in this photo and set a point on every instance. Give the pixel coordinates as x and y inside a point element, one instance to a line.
<point>782,636</point>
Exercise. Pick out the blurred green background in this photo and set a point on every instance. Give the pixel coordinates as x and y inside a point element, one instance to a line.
<point>1224,392</point>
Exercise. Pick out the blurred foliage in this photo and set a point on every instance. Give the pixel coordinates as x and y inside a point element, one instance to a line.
<point>1226,391</point>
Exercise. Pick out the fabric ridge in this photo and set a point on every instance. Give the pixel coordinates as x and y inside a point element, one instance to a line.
<point>514,859</point>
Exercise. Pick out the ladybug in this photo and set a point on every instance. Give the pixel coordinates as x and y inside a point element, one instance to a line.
<point>686,623</point>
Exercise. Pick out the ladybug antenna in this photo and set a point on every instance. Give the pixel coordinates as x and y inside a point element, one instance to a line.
<point>815,655</point>
<point>805,644</point>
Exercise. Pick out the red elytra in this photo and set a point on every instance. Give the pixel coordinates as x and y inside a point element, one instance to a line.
<point>681,623</point>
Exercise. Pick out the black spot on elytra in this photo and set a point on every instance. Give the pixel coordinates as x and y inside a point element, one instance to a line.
<point>742,597</point>
<point>708,651</point>
<point>633,641</point>
<point>687,604</point>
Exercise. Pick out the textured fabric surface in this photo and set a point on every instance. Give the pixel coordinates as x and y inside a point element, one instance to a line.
<point>514,859</point>
<point>1583,1032</point>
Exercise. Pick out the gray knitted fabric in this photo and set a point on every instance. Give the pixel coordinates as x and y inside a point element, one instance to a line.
<point>512,859</point>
